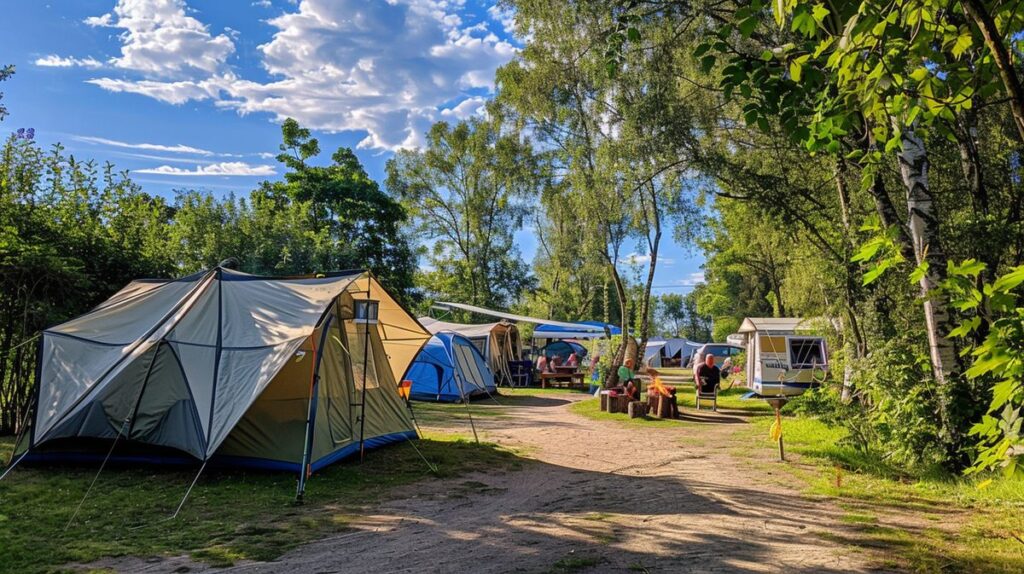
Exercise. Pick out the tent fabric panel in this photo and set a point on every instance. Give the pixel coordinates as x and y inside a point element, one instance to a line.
<point>474,370</point>
<point>71,367</point>
<point>177,427</point>
<point>334,404</point>
<point>155,331</point>
<point>150,394</point>
<point>258,463</point>
<point>400,333</point>
<point>385,410</point>
<point>429,384</point>
<point>243,374</point>
<point>165,414</point>
<point>128,318</point>
<point>200,325</point>
<point>262,313</point>
<point>468,331</point>
<point>197,362</point>
<point>274,426</point>
<point>104,415</point>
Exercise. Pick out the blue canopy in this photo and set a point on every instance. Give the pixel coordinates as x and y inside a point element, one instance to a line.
<point>586,330</point>
<point>449,368</point>
<point>563,349</point>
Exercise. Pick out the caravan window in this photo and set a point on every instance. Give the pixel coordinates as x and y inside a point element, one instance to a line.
<point>806,353</point>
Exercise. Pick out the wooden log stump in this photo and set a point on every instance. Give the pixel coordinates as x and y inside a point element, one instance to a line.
<point>618,404</point>
<point>636,409</point>
<point>604,402</point>
<point>663,407</point>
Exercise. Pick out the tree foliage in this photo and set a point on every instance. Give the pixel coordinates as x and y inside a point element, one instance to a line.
<point>72,233</point>
<point>466,192</point>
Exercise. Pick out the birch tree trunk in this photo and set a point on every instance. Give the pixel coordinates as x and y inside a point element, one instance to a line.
<point>924,232</point>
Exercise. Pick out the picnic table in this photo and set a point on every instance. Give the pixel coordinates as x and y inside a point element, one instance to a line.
<point>570,374</point>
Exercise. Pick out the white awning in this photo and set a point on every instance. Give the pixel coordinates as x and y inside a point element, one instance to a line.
<point>574,328</point>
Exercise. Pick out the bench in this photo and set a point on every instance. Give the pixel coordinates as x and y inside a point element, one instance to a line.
<point>575,380</point>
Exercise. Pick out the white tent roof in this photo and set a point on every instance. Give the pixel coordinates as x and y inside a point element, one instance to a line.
<point>573,327</point>
<point>468,331</point>
<point>773,324</point>
<point>232,332</point>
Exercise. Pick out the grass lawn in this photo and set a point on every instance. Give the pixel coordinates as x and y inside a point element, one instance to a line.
<point>230,516</point>
<point>965,528</point>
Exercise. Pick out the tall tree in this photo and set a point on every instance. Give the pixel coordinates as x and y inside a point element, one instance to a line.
<point>466,192</point>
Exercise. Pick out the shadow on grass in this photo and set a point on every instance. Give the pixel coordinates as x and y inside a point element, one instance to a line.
<point>230,515</point>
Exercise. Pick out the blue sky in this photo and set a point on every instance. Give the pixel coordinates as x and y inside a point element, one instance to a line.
<point>190,94</point>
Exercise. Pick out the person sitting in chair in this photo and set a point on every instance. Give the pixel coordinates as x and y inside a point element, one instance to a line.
<point>708,375</point>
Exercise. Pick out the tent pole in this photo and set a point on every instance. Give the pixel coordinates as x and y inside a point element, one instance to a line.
<point>362,401</point>
<point>314,390</point>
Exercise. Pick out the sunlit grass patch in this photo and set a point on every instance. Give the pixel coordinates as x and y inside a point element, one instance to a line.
<point>973,529</point>
<point>231,515</point>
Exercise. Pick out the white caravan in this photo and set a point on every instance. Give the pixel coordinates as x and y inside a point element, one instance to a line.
<point>783,358</point>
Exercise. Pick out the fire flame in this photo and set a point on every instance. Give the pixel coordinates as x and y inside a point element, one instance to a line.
<point>656,386</point>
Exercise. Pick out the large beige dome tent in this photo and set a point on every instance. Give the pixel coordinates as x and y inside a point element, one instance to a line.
<point>280,373</point>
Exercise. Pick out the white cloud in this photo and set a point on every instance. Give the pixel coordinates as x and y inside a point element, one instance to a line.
<point>177,148</point>
<point>644,259</point>
<point>169,92</point>
<point>383,68</point>
<point>160,39</point>
<point>227,168</point>
<point>695,278</point>
<point>506,17</point>
<point>103,21</point>
<point>263,3</point>
<point>55,61</point>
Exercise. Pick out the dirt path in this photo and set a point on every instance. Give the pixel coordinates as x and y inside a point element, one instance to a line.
<point>601,497</point>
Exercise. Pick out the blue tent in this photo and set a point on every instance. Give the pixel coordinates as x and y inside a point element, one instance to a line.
<point>448,369</point>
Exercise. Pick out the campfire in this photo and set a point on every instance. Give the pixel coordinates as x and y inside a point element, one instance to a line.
<point>661,398</point>
<point>657,387</point>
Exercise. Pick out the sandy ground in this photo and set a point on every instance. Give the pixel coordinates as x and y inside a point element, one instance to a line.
<point>601,494</point>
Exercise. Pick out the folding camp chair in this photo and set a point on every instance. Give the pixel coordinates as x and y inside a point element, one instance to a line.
<point>707,396</point>
<point>521,373</point>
